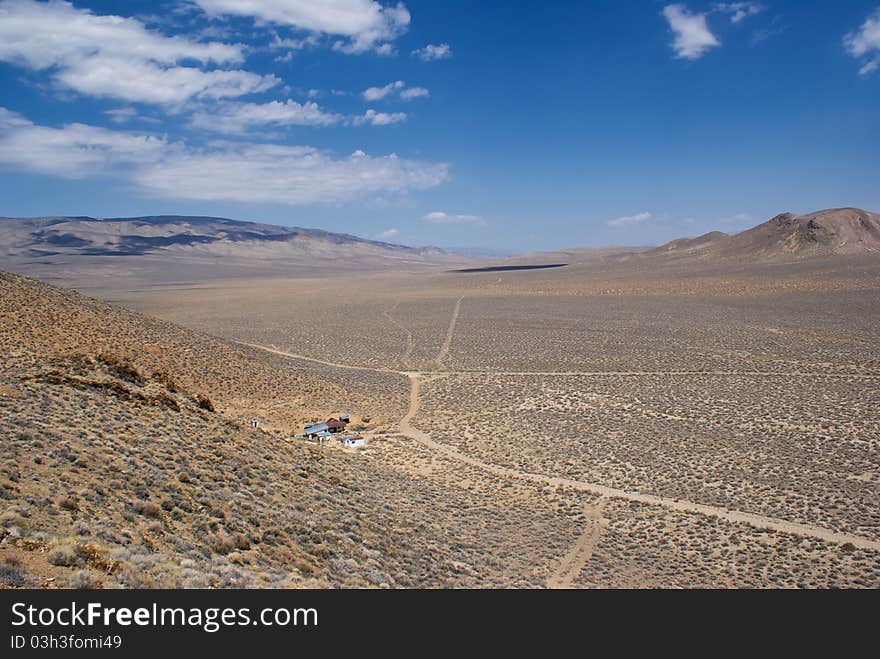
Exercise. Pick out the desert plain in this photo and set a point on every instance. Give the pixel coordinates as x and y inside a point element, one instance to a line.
<point>620,421</point>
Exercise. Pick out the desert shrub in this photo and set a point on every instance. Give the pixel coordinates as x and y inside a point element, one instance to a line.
<point>68,503</point>
<point>11,518</point>
<point>222,544</point>
<point>205,403</point>
<point>147,508</point>
<point>242,541</point>
<point>64,556</point>
<point>83,581</point>
<point>12,576</point>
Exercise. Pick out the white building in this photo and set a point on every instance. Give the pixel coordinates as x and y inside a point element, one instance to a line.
<point>353,440</point>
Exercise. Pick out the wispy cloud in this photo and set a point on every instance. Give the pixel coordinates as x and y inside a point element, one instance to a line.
<point>387,234</point>
<point>439,217</point>
<point>242,172</point>
<point>864,44</point>
<point>628,220</point>
<point>414,92</point>
<point>366,25</point>
<point>238,118</point>
<point>374,118</point>
<point>377,93</point>
<point>739,11</point>
<point>433,52</point>
<point>116,57</point>
<point>692,36</point>
<point>398,88</point>
<point>121,115</point>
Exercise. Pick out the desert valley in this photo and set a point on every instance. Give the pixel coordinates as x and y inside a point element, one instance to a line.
<point>699,414</point>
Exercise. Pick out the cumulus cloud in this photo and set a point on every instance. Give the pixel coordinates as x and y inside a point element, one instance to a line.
<point>433,52</point>
<point>628,220</point>
<point>376,93</point>
<point>414,92</point>
<point>692,36</point>
<point>397,87</point>
<point>739,11</point>
<point>237,118</point>
<point>223,171</point>
<point>111,56</point>
<point>74,151</point>
<point>439,217</point>
<point>374,118</point>
<point>864,43</point>
<point>365,24</point>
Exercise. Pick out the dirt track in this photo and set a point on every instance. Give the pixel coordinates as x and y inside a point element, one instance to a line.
<point>580,553</point>
<point>755,520</point>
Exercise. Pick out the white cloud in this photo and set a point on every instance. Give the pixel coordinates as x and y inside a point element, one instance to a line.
<point>739,11</point>
<point>433,52</point>
<point>236,118</point>
<point>121,115</point>
<point>144,82</point>
<point>292,44</point>
<point>74,151</point>
<point>387,234</point>
<point>385,49</point>
<point>365,23</point>
<point>869,67</point>
<point>865,43</point>
<point>439,217</point>
<point>223,171</point>
<point>376,93</point>
<point>118,57</point>
<point>414,92</point>
<point>404,93</point>
<point>692,36</point>
<point>627,220</point>
<point>379,118</point>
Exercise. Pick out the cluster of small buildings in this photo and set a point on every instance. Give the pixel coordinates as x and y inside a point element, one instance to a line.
<point>330,427</point>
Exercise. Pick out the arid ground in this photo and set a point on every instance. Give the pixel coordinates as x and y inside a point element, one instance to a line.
<point>584,426</point>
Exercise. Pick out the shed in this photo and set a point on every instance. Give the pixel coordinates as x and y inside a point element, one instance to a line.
<point>316,429</point>
<point>353,440</point>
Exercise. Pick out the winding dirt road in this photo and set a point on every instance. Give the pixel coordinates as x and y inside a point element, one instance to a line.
<point>410,342</point>
<point>758,521</point>
<point>581,552</point>
<point>447,341</point>
<point>569,567</point>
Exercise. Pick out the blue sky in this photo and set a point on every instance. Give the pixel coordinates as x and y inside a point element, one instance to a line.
<point>509,125</point>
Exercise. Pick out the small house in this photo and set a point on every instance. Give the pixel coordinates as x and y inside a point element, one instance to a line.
<point>353,440</point>
<point>335,425</point>
<point>313,431</point>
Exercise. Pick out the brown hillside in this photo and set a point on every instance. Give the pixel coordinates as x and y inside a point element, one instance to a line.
<point>824,234</point>
<point>839,231</point>
<point>123,466</point>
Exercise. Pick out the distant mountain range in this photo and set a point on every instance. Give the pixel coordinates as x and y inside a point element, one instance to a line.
<point>180,248</point>
<point>171,247</point>
<point>136,236</point>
